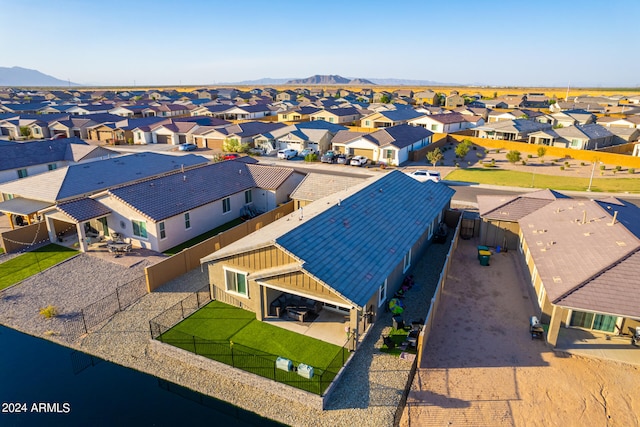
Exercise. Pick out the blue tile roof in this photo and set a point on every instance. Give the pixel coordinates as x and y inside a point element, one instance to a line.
<point>170,195</point>
<point>24,154</point>
<point>83,209</point>
<point>354,247</point>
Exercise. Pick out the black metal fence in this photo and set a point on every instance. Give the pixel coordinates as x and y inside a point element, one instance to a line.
<point>96,313</point>
<point>239,356</point>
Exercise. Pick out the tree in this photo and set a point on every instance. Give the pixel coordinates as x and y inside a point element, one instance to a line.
<point>385,99</point>
<point>434,156</point>
<point>232,145</point>
<point>513,156</point>
<point>25,131</point>
<point>541,152</point>
<point>463,148</point>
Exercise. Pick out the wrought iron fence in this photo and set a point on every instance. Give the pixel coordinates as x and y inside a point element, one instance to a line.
<point>239,356</point>
<point>97,312</point>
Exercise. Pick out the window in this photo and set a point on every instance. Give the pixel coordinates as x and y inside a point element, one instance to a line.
<point>434,127</point>
<point>36,131</point>
<point>139,228</point>
<point>163,233</point>
<point>382,293</point>
<point>52,166</point>
<point>388,154</point>
<point>236,282</point>
<point>226,205</point>
<point>284,117</point>
<point>247,197</point>
<point>575,142</point>
<point>187,221</point>
<point>139,135</point>
<point>367,123</point>
<point>330,119</point>
<point>22,173</point>
<point>407,261</point>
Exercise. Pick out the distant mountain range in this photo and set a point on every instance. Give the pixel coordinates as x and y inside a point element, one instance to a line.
<point>339,80</point>
<point>18,76</point>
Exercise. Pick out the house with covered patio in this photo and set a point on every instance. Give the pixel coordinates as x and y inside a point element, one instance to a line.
<point>346,253</point>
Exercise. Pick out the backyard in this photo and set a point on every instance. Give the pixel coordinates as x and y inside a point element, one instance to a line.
<point>26,265</point>
<point>204,236</point>
<point>234,336</point>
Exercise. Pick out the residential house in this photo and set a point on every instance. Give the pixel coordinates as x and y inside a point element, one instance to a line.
<point>299,255</point>
<point>496,116</point>
<point>26,197</point>
<point>390,146</point>
<point>346,115</point>
<point>447,123</point>
<point>625,122</point>
<point>578,137</point>
<point>427,97</point>
<point>316,135</point>
<point>510,130</point>
<point>287,95</point>
<point>624,135</point>
<point>297,114</point>
<point>513,100</point>
<point>571,118</point>
<point>489,103</point>
<point>590,107</point>
<point>165,211</point>
<point>454,100</point>
<point>535,100</point>
<point>214,137</point>
<point>82,110</point>
<point>20,160</point>
<point>383,119</point>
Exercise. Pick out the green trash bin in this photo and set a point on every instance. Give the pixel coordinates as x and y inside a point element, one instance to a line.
<point>484,257</point>
<point>482,248</point>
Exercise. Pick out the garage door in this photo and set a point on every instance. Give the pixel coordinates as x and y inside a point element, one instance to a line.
<point>215,144</point>
<point>103,136</point>
<point>163,139</point>
<point>363,152</point>
<point>182,139</point>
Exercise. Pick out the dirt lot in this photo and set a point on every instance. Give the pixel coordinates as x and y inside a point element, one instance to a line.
<point>481,367</point>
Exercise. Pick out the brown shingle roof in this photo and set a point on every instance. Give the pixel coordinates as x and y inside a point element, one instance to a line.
<point>512,208</point>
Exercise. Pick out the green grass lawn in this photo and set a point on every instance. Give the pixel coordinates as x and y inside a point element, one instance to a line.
<point>30,263</point>
<point>398,336</point>
<point>556,182</point>
<point>204,236</point>
<point>221,322</point>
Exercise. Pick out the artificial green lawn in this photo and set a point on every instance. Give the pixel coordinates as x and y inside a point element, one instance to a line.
<point>398,336</point>
<point>30,263</point>
<point>202,237</point>
<point>555,182</point>
<point>221,322</point>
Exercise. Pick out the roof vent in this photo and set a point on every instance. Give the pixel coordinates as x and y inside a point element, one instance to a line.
<point>621,243</point>
<point>557,279</point>
<point>539,243</point>
<point>615,217</point>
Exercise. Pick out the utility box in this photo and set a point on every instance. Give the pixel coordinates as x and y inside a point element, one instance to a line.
<point>284,364</point>
<point>305,371</point>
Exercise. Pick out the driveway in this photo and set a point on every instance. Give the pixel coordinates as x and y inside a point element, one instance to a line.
<point>481,367</point>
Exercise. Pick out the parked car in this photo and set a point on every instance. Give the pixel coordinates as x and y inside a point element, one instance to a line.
<point>344,159</point>
<point>187,147</point>
<point>329,157</point>
<point>287,153</point>
<point>359,161</point>
<point>230,156</point>
<point>423,175</point>
<point>306,152</point>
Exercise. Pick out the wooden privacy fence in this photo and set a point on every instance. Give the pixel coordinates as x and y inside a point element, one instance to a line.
<point>189,259</point>
<point>24,237</point>
<point>435,301</point>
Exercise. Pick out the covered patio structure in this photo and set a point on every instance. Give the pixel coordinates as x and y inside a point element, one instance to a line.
<point>83,220</point>
<point>21,211</point>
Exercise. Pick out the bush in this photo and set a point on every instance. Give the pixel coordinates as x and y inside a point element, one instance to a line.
<point>479,155</point>
<point>561,168</point>
<point>632,171</point>
<point>618,168</point>
<point>529,156</point>
<point>603,168</point>
<point>487,165</point>
<point>524,163</point>
<point>493,162</point>
<point>582,164</point>
<point>553,163</point>
<point>566,163</point>
<point>48,312</point>
<point>513,156</point>
<point>311,157</point>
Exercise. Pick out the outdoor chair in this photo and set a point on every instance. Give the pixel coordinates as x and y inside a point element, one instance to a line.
<point>389,343</point>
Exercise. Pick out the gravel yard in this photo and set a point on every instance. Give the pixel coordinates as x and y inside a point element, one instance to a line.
<point>368,394</point>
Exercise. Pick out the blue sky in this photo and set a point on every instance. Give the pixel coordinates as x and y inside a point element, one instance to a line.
<point>160,42</point>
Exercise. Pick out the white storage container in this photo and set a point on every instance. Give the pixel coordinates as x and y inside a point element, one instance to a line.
<point>284,364</point>
<point>305,371</point>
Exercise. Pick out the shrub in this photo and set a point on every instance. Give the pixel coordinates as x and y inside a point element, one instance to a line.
<point>632,171</point>
<point>311,157</point>
<point>561,168</point>
<point>614,171</point>
<point>553,163</point>
<point>48,312</point>
<point>468,163</point>
<point>582,164</point>
<point>457,164</point>
<point>513,156</point>
<point>487,165</point>
<point>493,162</point>
<point>618,168</point>
<point>566,163</point>
<point>524,163</point>
<point>529,156</point>
<point>474,147</point>
<point>479,155</point>
<point>603,167</point>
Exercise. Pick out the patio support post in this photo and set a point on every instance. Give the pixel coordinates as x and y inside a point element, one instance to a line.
<point>557,315</point>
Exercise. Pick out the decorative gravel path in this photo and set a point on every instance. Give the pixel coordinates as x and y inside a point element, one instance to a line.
<point>368,394</point>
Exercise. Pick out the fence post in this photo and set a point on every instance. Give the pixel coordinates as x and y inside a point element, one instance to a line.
<point>198,299</point>
<point>118,299</point>
<point>84,323</point>
<point>182,309</point>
